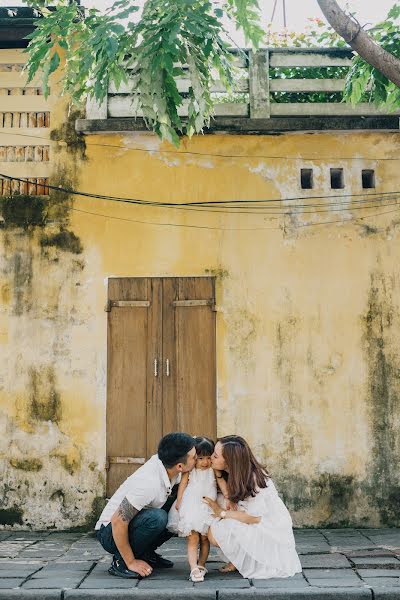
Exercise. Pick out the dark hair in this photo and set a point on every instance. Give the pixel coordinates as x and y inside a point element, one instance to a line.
<point>173,448</point>
<point>204,446</point>
<point>246,476</point>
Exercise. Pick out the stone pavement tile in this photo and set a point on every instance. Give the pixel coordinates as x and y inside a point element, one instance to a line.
<point>36,554</point>
<point>388,562</point>
<point>11,548</point>
<point>383,582</point>
<point>377,573</point>
<point>64,536</point>
<point>57,583</point>
<point>334,561</point>
<point>85,552</point>
<point>384,537</point>
<point>335,583</point>
<point>367,553</point>
<point>67,567</point>
<point>19,569</point>
<point>102,583</point>
<point>100,569</point>
<point>297,582</point>
<point>11,582</point>
<point>307,548</point>
<point>330,573</point>
<point>76,555</point>
<point>32,536</point>
<point>177,572</point>
<point>227,584</point>
<point>4,535</point>
<point>353,540</point>
<point>311,542</point>
<point>161,584</point>
<point>136,594</point>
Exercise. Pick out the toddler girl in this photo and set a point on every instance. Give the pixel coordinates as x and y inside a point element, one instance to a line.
<point>189,516</point>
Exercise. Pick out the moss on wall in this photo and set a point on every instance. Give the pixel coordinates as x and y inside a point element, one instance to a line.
<point>64,240</point>
<point>45,400</point>
<point>27,464</point>
<point>11,516</point>
<point>67,136</point>
<point>24,211</point>
<point>380,337</point>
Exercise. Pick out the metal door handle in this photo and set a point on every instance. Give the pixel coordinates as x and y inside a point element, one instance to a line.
<point>167,367</point>
<point>155,367</point>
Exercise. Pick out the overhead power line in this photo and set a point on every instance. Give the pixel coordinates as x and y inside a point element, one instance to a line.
<point>183,225</point>
<point>210,154</point>
<point>290,211</point>
<point>208,204</point>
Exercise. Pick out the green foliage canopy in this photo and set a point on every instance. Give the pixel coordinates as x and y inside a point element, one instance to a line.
<point>150,50</point>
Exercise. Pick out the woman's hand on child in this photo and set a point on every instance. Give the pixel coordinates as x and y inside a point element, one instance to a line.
<point>213,504</point>
<point>230,505</point>
<point>177,505</point>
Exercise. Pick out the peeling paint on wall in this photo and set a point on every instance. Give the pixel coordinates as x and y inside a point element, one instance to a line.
<point>307,318</point>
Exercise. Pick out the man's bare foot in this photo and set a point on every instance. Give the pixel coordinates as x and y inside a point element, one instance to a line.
<point>228,568</point>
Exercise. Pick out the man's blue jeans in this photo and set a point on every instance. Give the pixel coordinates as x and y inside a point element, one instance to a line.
<point>147,531</point>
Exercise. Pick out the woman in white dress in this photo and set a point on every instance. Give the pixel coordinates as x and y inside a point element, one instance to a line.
<point>256,533</point>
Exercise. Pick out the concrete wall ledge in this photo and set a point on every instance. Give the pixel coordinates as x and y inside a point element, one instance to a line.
<point>244,125</point>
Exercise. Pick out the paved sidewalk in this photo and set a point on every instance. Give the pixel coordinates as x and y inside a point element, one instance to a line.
<point>344,564</point>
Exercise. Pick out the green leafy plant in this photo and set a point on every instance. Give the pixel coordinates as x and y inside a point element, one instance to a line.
<point>149,55</point>
<point>364,82</point>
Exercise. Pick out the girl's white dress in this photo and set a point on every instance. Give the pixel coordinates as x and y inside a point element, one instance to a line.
<point>265,549</point>
<point>194,514</point>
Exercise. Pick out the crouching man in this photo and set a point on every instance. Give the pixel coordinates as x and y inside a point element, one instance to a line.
<point>133,523</point>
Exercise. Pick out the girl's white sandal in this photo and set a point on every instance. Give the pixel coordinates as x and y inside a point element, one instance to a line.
<point>203,569</point>
<point>196,575</point>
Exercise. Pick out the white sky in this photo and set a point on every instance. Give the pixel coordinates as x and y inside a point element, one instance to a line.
<point>297,11</point>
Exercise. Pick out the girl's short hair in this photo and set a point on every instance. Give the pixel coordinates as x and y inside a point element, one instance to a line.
<point>204,446</point>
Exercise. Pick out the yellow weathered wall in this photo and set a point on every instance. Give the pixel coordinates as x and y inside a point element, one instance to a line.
<point>307,325</point>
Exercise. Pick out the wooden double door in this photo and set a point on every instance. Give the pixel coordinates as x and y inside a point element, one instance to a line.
<point>161,366</point>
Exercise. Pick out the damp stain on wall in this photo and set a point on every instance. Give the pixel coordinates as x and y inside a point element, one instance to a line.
<point>45,399</point>
<point>380,324</point>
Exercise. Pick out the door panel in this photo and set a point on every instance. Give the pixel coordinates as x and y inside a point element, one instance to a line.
<point>127,379</point>
<point>154,368</point>
<point>170,405</point>
<point>161,366</point>
<point>195,357</point>
<point>189,392</point>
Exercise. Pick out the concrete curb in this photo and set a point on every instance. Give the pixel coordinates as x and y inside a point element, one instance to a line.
<point>203,594</point>
<point>30,594</point>
<point>154,594</point>
<point>392,593</point>
<point>299,594</point>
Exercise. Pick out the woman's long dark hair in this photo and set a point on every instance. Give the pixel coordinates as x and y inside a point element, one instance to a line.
<point>246,476</point>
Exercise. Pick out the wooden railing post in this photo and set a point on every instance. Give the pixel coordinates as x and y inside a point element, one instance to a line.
<point>259,84</point>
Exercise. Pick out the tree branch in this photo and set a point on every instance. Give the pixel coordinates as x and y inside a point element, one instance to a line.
<point>360,41</point>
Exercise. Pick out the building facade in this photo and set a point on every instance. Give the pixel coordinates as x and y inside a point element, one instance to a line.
<point>276,320</point>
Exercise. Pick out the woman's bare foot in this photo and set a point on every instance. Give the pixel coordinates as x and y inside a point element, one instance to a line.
<point>228,568</point>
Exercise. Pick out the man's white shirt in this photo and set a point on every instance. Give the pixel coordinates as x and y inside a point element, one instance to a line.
<point>148,487</point>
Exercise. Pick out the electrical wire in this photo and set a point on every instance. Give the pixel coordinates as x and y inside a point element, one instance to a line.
<point>353,221</point>
<point>190,205</point>
<point>208,154</point>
